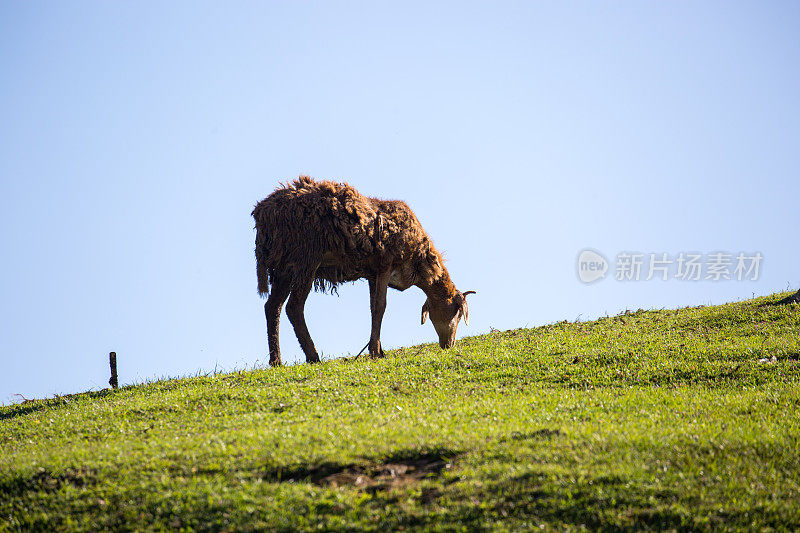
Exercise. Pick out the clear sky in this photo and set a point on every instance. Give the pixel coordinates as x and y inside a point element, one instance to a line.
<point>135,138</point>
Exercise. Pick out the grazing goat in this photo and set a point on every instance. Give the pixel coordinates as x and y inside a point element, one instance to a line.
<point>318,234</point>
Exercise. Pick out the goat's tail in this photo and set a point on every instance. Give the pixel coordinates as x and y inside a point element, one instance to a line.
<point>262,272</point>
<point>262,254</point>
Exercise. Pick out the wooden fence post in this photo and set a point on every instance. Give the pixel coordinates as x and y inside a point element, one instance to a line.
<point>112,361</point>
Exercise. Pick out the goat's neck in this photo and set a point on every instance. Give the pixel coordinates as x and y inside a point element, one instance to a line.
<point>440,289</point>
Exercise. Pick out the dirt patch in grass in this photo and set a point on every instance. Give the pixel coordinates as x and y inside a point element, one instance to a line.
<point>386,476</point>
<point>392,471</point>
<point>543,433</point>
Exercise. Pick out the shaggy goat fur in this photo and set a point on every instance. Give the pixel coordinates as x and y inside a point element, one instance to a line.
<point>320,234</point>
<point>331,230</point>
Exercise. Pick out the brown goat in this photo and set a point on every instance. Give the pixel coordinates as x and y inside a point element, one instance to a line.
<point>318,234</point>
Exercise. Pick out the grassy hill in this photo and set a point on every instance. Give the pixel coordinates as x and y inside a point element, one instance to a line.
<point>684,419</point>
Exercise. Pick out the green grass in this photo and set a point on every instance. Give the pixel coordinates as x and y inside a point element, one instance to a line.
<point>648,420</point>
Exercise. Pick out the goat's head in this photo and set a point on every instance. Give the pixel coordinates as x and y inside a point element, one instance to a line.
<point>445,315</point>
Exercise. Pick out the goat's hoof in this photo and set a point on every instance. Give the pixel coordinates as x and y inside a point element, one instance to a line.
<point>377,354</point>
<point>275,362</point>
<point>312,360</point>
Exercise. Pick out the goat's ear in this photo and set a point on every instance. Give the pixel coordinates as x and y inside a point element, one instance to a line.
<point>425,309</point>
<point>464,307</point>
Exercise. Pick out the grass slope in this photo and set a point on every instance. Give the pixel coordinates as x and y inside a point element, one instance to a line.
<point>682,419</point>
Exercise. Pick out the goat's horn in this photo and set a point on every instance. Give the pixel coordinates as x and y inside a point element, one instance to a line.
<point>468,292</point>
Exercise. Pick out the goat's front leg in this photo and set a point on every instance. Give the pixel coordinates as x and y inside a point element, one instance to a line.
<point>294,310</point>
<point>377,306</point>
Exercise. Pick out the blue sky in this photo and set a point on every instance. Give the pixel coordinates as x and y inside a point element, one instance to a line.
<point>135,139</point>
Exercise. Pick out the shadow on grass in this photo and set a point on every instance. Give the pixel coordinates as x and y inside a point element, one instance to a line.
<point>22,409</point>
<point>46,481</point>
<point>607,503</point>
<point>600,502</point>
<point>33,406</point>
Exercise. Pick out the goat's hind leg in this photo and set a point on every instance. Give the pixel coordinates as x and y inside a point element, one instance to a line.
<point>377,306</point>
<point>294,310</point>
<point>272,309</point>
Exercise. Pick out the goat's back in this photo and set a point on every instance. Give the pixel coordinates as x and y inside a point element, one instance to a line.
<point>304,222</point>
